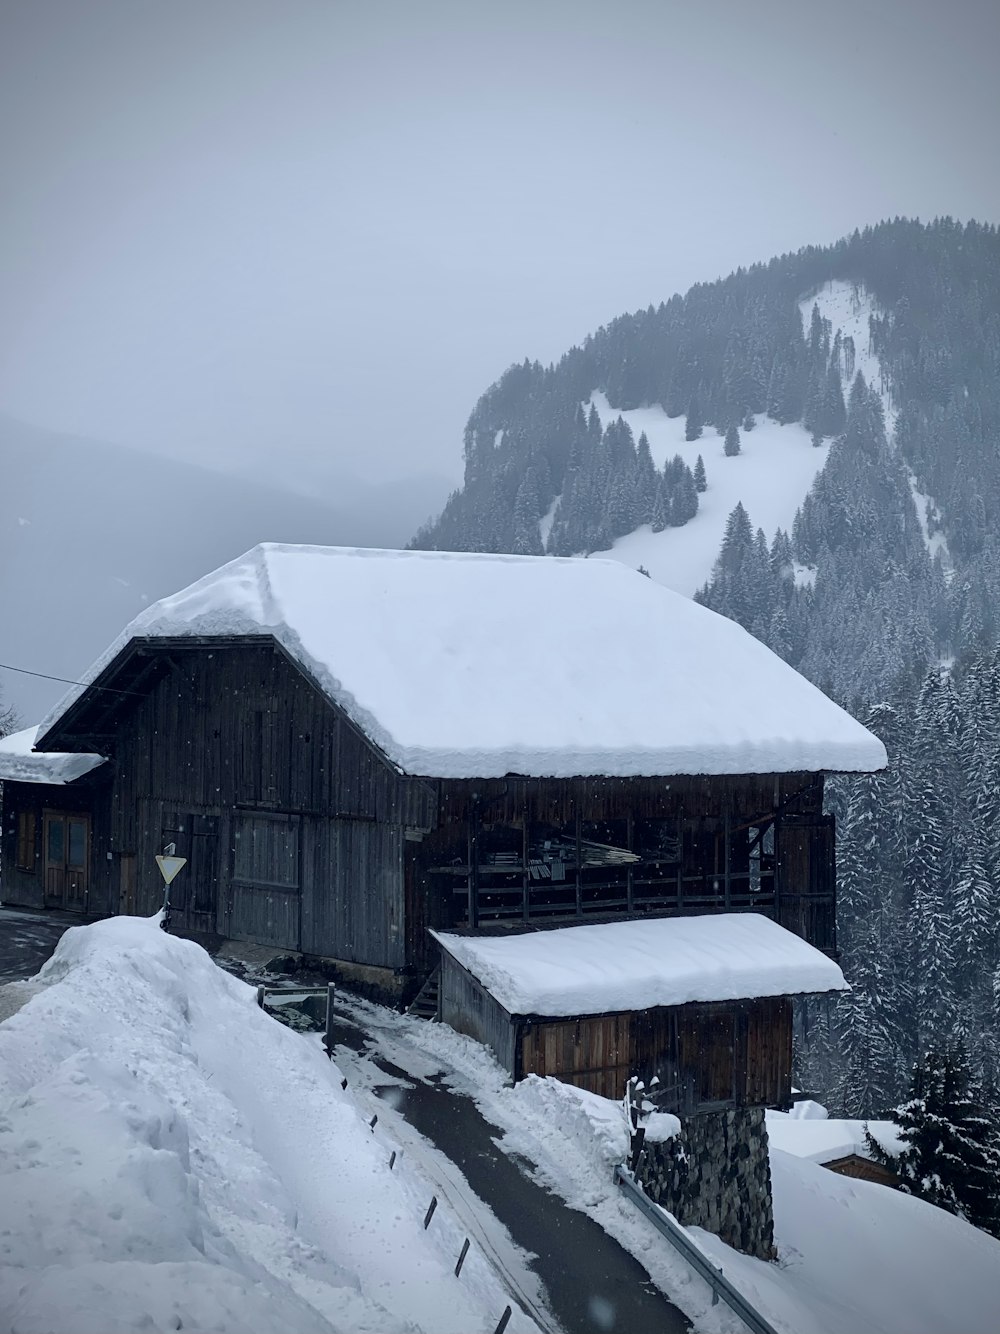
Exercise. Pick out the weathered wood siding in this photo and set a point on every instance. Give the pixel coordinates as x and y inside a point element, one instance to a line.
<point>593,1054</point>
<point>356,911</point>
<point>470,1009</point>
<point>705,1057</point>
<point>233,748</point>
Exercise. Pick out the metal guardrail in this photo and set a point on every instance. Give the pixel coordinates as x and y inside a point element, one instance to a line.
<point>678,1238</point>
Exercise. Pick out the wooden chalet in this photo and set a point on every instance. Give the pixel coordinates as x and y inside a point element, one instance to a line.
<point>355,748</point>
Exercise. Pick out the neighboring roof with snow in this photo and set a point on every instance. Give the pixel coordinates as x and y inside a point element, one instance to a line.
<point>618,966</point>
<point>20,764</point>
<point>825,1140</point>
<point>462,665</point>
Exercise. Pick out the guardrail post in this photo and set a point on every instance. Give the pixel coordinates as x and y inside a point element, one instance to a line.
<point>461,1258</point>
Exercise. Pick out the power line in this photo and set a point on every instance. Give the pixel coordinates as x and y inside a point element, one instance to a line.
<point>24,671</point>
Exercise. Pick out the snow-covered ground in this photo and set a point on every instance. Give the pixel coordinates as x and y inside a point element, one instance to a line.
<point>173,1158</point>
<point>848,308</point>
<point>771,476</point>
<point>853,1256</point>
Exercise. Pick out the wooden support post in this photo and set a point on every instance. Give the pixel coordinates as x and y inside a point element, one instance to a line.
<point>579,855</point>
<point>474,862</point>
<point>504,1321</point>
<point>525,874</point>
<point>629,873</point>
<point>331,988</point>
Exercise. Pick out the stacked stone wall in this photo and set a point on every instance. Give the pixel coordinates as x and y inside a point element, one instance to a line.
<point>715,1174</point>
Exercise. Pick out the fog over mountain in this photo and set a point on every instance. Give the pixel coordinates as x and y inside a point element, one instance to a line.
<point>91,532</point>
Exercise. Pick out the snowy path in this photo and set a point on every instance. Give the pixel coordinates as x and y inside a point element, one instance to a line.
<point>566,1271</point>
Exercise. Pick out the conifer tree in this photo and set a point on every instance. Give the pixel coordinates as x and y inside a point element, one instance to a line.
<point>732,445</point>
<point>694,424</point>
<point>700,480</point>
<point>952,1148</point>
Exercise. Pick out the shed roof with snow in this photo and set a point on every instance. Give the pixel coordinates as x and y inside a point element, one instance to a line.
<point>615,967</point>
<point>20,763</point>
<point>463,665</point>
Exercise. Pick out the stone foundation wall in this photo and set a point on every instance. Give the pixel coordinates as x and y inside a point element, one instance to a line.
<point>715,1174</point>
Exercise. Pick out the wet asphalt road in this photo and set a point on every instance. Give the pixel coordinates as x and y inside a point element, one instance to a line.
<point>592,1285</point>
<point>27,939</point>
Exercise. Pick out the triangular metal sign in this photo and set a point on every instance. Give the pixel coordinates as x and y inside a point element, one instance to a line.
<point>169,866</point>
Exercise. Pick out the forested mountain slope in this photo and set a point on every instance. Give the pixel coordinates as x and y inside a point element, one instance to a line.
<point>874,568</point>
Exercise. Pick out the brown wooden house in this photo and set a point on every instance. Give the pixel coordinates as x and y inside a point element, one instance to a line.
<point>352,748</point>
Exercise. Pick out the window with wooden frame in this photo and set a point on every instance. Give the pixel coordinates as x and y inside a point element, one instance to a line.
<point>27,824</point>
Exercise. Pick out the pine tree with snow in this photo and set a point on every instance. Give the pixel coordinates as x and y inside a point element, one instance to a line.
<point>661,508</point>
<point>700,480</point>
<point>695,423</point>
<point>951,1156</point>
<point>732,445</point>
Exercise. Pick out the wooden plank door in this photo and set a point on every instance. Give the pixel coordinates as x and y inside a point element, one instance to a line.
<point>66,840</point>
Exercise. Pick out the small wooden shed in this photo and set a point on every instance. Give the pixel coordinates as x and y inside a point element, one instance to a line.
<point>702,1005</point>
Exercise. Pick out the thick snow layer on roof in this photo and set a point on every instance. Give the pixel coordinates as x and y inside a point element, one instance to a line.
<point>467,665</point>
<point>826,1140</point>
<point>19,763</point>
<point>633,965</point>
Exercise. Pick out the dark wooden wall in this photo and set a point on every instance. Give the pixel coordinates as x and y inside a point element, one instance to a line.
<point>292,823</point>
<point>469,1008</point>
<point>745,842</point>
<point>704,1057</point>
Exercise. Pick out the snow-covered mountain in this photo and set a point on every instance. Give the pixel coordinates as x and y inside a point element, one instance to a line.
<point>91,532</point>
<point>868,374</point>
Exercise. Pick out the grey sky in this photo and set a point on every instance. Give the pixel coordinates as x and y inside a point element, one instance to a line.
<point>286,231</point>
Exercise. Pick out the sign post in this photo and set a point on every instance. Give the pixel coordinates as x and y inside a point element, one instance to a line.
<point>169,866</point>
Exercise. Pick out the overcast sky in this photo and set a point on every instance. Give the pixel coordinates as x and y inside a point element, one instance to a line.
<point>276,231</point>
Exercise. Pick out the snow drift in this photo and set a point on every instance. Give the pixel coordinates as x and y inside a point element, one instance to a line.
<point>172,1158</point>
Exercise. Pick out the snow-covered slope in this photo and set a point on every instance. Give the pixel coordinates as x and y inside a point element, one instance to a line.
<point>848,308</point>
<point>771,476</point>
<point>173,1159</point>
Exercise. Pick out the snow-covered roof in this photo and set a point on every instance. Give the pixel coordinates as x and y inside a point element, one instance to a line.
<point>825,1140</point>
<point>618,966</point>
<point>19,763</point>
<point>462,665</point>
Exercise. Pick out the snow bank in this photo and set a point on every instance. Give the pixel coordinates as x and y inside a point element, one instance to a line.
<point>173,1158</point>
<point>19,763</point>
<point>854,1256</point>
<point>467,665</point>
<point>633,965</point>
